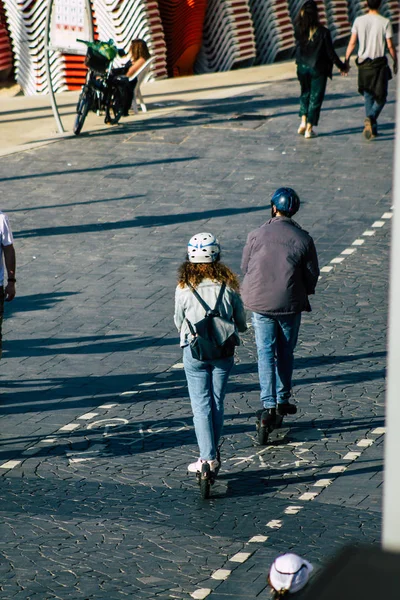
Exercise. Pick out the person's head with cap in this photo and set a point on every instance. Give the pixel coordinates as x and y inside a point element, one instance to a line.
<point>288,574</point>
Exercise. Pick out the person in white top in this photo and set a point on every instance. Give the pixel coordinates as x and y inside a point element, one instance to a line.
<point>207,379</point>
<point>374,34</point>
<point>7,257</point>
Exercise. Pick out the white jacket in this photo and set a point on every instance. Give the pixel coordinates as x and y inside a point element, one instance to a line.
<point>188,307</point>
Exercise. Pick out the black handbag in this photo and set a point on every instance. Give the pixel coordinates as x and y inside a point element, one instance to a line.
<point>213,337</point>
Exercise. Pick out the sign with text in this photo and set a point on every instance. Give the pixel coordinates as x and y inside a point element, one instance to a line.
<point>70,20</point>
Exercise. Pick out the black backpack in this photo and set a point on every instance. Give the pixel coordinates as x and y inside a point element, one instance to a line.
<point>213,337</point>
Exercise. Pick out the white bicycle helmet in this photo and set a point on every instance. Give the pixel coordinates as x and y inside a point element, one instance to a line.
<point>203,248</point>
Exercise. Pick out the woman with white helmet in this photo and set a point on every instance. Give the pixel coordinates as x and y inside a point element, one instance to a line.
<point>207,379</point>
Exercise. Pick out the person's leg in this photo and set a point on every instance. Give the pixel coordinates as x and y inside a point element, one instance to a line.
<point>288,331</point>
<point>305,87</point>
<point>220,370</point>
<point>372,111</point>
<point>199,380</point>
<point>1,318</point>
<point>317,94</point>
<point>265,330</point>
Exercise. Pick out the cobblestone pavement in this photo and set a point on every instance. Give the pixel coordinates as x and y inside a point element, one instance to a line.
<point>95,498</point>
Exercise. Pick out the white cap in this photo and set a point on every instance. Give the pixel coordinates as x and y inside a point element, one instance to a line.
<point>203,248</point>
<point>289,572</point>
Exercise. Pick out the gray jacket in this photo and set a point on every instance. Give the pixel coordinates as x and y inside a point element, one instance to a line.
<point>280,267</point>
<point>187,307</point>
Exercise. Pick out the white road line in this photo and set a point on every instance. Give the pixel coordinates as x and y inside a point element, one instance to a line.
<point>323,482</point>
<point>274,524</point>
<point>293,510</point>
<point>48,441</point>
<point>221,574</point>
<point>201,593</point>
<point>10,464</point>
<point>326,269</point>
<point>337,260</point>
<point>348,251</point>
<point>337,469</point>
<point>379,430</point>
<point>369,233</point>
<point>308,496</point>
<point>365,443</point>
<point>130,393</point>
<point>240,557</point>
<point>378,224</point>
<point>108,405</point>
<point>258,539</point>
<point>351,456</point>
<point>358,242</point>
<point>387,215</point>
<point>69,427</point>
<point>88,416</point>
<point>177,366</point>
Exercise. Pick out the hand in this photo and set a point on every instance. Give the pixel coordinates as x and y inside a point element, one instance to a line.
<point>344,73</point>
<point>395,67</point>
<point>10,291</point>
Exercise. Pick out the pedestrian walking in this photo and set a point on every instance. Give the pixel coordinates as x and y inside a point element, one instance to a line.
<point>280,267</point>
<point>204,274</point>
<point>7,259</point>
<point>315,57</point>
<point>374,34</point>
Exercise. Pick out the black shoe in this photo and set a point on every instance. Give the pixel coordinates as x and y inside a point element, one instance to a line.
<point>286,409</point>
<point>266,417</point>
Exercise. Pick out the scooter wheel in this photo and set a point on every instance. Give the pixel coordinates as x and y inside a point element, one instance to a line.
<point>205,482</point>
<point>262,435</point>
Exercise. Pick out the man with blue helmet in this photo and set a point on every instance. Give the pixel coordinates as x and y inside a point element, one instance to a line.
<point>280,267</point>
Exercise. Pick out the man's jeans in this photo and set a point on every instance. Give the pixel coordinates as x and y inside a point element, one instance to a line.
<point>372,108</point>
<point>207,382</point>
<point>276,339</point>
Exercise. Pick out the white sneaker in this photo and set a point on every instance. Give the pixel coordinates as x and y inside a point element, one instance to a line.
<point>310,134</point>
<point>301,130</point>
<point>196,466</point>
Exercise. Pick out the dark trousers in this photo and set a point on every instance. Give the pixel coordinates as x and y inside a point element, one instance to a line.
<point>312,92</point>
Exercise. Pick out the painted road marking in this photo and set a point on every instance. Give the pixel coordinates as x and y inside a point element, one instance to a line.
<point>293,510</point>
<point>337,469</point>
<point>10,464</point>
<point>258,539</point>
<point>308,496</point>
<point>108,405</point>
<point>349,251</point>
<point>379,430</point>
<point>221,574</point>
<point>177,366</point>
<point>365,443</point>
<point>369,233</point>
<point>69,427</point>
<point>378,224</point>
<point>326,269</point>
<point>351,456</point>
<point>323,482</point>
<point>89,415</point>
<point>358,242</point>
<point>241,557</point>
<point>201,593</point>
<point>337,260</point>
<point>274,524</point>
<point>387,215</point>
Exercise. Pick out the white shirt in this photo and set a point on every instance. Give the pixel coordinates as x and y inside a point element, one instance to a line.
<point>6,239</point>
<point>372,32</point>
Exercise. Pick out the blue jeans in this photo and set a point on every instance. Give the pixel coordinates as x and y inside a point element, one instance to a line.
<point>207,382</point>
<point>276,339</point>
<point>372,108</point>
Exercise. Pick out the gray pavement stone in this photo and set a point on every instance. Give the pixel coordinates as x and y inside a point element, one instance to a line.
<point>101,224</point>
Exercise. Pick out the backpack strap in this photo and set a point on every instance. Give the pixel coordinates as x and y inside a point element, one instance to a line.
<point>203,303</point>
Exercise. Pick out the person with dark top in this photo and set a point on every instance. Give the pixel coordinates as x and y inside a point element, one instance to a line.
<point>374,34</point>
<point>280,267</point>
<point>315,57</point>
<point>139,54</point>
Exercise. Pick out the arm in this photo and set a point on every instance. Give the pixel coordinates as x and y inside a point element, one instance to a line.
<point>311,269</point>
<point>393,53</point>
<point>351,46</point>
<point>10,262</point>
<point>239,313</point>
<point>246,254</point>
<point>135,67</point>
<point>179,315</point>
<point>331,52</point>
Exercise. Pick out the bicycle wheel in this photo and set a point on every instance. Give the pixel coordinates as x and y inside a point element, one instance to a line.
<point>82,109</point>
<point>115,106</point>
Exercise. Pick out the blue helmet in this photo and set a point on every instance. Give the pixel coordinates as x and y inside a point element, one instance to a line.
<point>286,200</point>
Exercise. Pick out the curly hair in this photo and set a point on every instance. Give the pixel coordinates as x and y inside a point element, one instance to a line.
<point>194,273</point>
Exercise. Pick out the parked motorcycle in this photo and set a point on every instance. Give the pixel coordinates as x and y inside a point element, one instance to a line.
<point>103,91</point>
